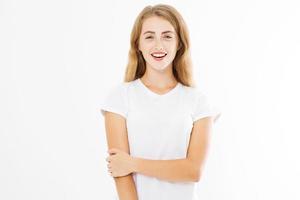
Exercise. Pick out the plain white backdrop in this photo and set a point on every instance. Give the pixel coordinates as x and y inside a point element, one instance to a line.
<point>58,60</point>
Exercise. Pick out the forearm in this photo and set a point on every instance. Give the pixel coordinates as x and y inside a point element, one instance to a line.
<point>126,188</point>
<point>117,137</point>
<point>169,170</point>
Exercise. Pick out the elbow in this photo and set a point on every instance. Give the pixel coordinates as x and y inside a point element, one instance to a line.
<point>196,175</point>
<point>195,170</point>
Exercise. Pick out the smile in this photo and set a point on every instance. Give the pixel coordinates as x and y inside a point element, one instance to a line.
<point>158,56</point>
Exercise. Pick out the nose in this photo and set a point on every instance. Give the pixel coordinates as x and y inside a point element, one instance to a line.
<point>159,48</point>
<point>158,45</point>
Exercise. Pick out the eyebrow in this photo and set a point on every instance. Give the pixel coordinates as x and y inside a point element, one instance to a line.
<point>154,32</point>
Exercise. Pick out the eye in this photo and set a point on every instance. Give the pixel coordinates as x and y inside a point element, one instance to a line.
<point>149,37</point>
<point>169,37</point>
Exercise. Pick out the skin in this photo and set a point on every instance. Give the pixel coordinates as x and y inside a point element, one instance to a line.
<point>158,75</point>
<point>190,168</point>
<point>116,135</point>
<point>160,79</point>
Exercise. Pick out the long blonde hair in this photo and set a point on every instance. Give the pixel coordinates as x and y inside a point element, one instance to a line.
<point>182,64</point>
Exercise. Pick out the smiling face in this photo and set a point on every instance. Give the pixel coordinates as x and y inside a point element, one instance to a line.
<point>158,43</point>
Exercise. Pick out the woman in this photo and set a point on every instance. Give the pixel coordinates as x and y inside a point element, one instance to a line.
<point>157,122</point>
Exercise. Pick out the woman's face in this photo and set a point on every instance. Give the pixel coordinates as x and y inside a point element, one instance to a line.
<point>158,43</point>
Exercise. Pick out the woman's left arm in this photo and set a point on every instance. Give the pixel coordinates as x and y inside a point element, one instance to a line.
<point>187,169</point>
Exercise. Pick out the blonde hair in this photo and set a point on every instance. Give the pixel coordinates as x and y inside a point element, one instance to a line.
<point>182,64</point>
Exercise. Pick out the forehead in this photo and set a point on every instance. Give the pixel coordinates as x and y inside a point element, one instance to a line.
<point>157,24</point>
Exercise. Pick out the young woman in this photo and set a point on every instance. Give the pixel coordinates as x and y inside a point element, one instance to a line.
<point>157,122</point>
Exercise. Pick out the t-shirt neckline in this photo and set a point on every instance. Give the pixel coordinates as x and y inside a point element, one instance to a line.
<point>150,92</point>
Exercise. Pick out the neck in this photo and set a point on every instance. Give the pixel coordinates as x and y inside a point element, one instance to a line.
<point>159,79</point>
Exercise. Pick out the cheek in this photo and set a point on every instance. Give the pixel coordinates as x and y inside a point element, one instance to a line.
<point>171,46</point>
<point>145,47</point>
<point>172,49</point>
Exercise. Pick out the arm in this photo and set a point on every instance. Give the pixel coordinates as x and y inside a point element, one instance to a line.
<point>116,135</point>
<point>188,169</point>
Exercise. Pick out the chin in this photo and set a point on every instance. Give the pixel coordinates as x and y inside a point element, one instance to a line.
<point>158,67</point>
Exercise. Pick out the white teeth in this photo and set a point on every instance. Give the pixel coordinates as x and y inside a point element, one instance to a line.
<point>158,55</point>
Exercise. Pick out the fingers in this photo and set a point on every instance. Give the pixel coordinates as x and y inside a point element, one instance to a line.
<point>110,172</point>
<point>108,159</point>
<point>109,167</point>
<point>113,150</point>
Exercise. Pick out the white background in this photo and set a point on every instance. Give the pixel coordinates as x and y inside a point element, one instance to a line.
<point>58,60</point>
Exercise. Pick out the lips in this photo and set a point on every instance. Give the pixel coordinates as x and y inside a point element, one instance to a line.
<point>158,54</point>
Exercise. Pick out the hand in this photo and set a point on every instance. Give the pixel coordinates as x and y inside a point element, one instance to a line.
<point>120,163</point>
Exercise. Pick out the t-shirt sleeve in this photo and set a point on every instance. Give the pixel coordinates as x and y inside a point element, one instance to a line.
<point>203,107</point>
<point>116,101</point>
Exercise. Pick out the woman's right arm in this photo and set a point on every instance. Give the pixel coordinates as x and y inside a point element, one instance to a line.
<point>116,134</point>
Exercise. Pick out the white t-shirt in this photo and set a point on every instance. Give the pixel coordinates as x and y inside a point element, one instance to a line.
<point>159,127</point>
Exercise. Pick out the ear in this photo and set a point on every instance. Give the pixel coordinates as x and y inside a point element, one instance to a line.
<point>179,46</point>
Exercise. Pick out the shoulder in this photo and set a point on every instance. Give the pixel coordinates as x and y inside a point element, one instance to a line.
<point>116,99</point>
<point>194,93</point>
<point>202,104</point>
<point>119,92</point>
